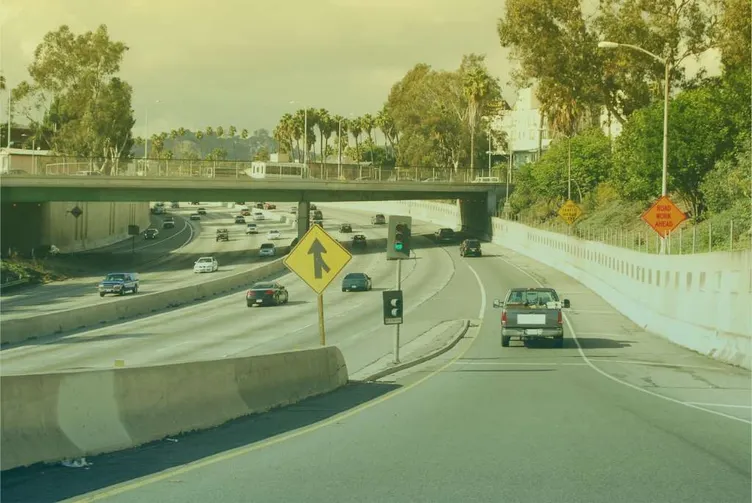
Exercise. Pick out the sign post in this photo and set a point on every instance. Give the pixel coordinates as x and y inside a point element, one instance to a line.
<point>317,259</point>
<point>133,230</point>
<point>664,217</point>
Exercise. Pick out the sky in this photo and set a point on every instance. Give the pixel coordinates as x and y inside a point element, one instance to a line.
<point>241,62</point>
<point>195,64</point>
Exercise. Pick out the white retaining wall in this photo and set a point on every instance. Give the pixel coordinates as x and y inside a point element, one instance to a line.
<point>700,301</point>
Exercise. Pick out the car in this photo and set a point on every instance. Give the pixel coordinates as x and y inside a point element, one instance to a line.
<point>119,283</point>
<point>240,203</point>
<point>317,221</point>
<point>245,213</point>
<point>259,206</point>
<point>258,216</point>
<point>294,210</point>
<point>251,229</point>
<point>168,223</point>
<point>294,242</point>
<point>174,205</point>
<point>470,247</point>
<point>195,203</point>
<point>270,206</point>
<point>273,234</point>
<point>444,235</point>
<point>206,264</point>
<point>378,219</point>
<point>201,211</point>
<point>194,216</point>
<point>240,219</point>
<point>267,250</point>
<point>266,293</point>
<point>151,233</point>
<point>223,235</point>
<point>345,228</point>
<point>359,241</point>
<point>311,207</point>
<point>531,313</point>
<point>357,281</point>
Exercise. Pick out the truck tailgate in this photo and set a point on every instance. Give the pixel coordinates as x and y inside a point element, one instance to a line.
<point>532,318</point>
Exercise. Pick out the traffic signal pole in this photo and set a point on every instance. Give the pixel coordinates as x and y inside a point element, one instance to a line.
<point>397,327</point>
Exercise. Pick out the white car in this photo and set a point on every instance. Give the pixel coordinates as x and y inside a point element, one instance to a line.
<point>273,234</point>
<point>267,250</point>
<point>258,216</point>
<point>206,264</point>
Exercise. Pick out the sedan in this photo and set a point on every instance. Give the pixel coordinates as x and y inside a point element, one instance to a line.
<point>357,281</point>
<point>195,216</point>
<point>201,211</point>
<point>206,264</point>
<point>266,293</point>
<point>267,250</point>
<point>345,228</point>
<point>151,233</point>
<point>240,219</point>
<point>273,234</point>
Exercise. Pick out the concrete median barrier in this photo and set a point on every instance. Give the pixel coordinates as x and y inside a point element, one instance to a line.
<point>57,416</point>
<point>21,329</point>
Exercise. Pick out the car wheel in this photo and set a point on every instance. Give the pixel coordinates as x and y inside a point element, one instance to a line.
<point>135,289</point>
<point>122,292</point>
<point>505,341</point>
<point>287,298</point>
<point>101,294</point>
<point>250,304</point>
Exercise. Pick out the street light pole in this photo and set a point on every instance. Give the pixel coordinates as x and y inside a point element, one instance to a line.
<point>666,90</point>
<point>569,168</point>
<point>339,148</point>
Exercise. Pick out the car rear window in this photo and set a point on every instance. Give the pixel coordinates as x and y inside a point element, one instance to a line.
<point>355,275</point>
<point>267,245</point>
<point>262,286</point>
<point>473,242</point>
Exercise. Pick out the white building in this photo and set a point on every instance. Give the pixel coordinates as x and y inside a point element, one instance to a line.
<point>526,133</point>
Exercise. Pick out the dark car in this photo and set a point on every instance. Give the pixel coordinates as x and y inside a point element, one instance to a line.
<point>201,211</point>
<point>151,233</point>
<point>259,206</point>
<point>119,283</point>
<point>357,281</point>
<point>378,219</point>
<point>359,241</point>
<point>240,219</point>
<point>312,207</point>
<point>223,235</point>
<point>444,235</point>
<point>266,293</point>
<point>270,206</point>
<point>345,228</point>
<point>470,248</point>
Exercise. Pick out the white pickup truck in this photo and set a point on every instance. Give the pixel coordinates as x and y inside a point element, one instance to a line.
<point>532,313</point>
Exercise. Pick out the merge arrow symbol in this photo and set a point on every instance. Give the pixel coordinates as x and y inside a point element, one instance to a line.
<point>319,265</point>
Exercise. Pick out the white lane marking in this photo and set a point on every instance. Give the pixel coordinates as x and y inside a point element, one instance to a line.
<point>586,311</point>
<point>534,364</point>
<point>482,310</point>
<point>659,364</point>
<point>616,379</point>
<point>159,242</point>
<point>722,405</point>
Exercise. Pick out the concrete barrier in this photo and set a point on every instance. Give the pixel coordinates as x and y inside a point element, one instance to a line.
<point>56,416</point>
<point>699,301</point>
<point>20,329</point>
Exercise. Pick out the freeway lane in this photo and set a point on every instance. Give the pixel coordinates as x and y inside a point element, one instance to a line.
<point>169,270</point>
<point>226,327</point>
<point>483,423</point>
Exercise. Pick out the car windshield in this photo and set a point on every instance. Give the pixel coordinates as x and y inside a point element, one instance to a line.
<point>204,260</point>
<point>263,286</point>
<point>115,277</point>
<point>266,246</point>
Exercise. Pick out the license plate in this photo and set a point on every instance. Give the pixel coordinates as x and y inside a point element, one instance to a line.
<point>533,331</point>
<point>259,301</point>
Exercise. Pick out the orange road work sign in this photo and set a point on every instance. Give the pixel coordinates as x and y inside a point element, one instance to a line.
<point>664,216</point>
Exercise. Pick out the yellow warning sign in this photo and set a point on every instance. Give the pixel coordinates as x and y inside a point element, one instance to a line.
<point>570,212</point>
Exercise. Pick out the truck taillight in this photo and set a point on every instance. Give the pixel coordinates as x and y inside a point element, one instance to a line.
<point>248,293</point>
<point>560,319</point>
<point>503,317</point>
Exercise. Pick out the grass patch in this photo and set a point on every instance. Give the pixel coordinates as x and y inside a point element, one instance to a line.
<point>36,271</point>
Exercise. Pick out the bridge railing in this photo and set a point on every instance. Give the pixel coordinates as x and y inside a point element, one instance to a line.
<point>186,168</point>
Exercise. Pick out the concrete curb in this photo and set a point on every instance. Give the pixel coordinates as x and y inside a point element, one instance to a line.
<point>430,356</point>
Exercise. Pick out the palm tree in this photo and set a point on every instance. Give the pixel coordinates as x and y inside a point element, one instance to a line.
<point>322,120</point>
<point>385,122</point>
<point>478,87</point>
<point>220,131</point>
<point>368,123</point>
<point>244,134</point>
<point>199,137</point>
<point>356,129</point>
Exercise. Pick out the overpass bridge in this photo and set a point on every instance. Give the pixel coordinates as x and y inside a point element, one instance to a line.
<point>478,201</point>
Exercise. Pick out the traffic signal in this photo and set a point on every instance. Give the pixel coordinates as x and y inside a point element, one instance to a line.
<point>398,240</point>
<point>392,307</point>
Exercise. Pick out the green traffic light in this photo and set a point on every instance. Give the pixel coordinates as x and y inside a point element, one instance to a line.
<point>398,246</point>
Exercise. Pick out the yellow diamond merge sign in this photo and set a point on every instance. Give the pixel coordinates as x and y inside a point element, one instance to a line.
<point>317,258</point>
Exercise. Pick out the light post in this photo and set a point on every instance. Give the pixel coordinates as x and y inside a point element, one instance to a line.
<point>667,66</point>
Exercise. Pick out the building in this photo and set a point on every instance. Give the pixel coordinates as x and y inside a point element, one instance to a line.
<point>527,133</point>
<point>19,159</point>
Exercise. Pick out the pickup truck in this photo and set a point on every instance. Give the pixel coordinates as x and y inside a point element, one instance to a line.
<point>531,313</point>
<point>223,235</point>
<point>119,283</point>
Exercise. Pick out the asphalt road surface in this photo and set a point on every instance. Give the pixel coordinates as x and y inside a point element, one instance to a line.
<point>172,256</point>
<point>226,327</point>
<point>617,415</point>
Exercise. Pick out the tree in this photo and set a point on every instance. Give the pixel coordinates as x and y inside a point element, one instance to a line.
<point>244,134</point>
<point>209,131</point>
<point>701,134</point>
<point>220,131</point>
<point>356,129</point>
<point>480,89</point>
<point>262,154</point>
<point>729,180</point>
<point>85,109</point>
<point>734,28</point>
<point>232,131</point>
<point>369,123</point>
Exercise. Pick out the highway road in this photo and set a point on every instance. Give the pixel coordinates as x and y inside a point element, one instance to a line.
<point>616,415</point>
<point>171,257</point>
<point>225,327</point>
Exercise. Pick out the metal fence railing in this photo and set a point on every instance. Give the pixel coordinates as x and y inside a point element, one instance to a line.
<point>704,237</point>
<point>187,168</point>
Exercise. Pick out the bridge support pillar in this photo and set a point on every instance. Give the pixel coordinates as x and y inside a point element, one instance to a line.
<point>475,215</point>
<point>304,217</point>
